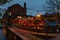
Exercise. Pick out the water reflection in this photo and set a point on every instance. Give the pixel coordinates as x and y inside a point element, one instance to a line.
<point>2,36</point>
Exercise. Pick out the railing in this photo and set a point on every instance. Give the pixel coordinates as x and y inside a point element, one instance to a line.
<point>11,35</point>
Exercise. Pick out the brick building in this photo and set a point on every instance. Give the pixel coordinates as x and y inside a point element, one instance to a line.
<point>15,10</point>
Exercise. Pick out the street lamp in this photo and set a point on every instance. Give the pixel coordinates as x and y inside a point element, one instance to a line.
<point>10,13</point>
<point>38,15</point>
<point>9,18</point>
<point>38,18</point>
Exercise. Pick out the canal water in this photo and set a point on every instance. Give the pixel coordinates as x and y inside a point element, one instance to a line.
<point>2,36</point>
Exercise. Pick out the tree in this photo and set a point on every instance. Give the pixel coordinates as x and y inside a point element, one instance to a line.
<point>4,1</point>
<point>52,6</point>
<point>0,14</point>
<point>2,11</point>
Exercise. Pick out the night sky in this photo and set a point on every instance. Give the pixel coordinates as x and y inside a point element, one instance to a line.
<point>33,6</point>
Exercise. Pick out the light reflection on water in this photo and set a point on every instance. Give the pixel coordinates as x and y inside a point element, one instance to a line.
<point>2,36</point>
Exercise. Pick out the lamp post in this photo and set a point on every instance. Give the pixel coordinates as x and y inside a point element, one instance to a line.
<point>10,13</point>
<point>9,18</point>
<point>38,18</point>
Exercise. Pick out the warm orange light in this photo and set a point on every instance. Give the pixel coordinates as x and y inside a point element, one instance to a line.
<point>10,13</point>
<point>19,17</point>
<point>39,15</point>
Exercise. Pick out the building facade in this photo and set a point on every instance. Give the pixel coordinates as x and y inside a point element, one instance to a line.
<point>16,10</point>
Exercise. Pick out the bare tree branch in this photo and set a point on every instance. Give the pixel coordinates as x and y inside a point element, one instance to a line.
<point>54,5</point>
